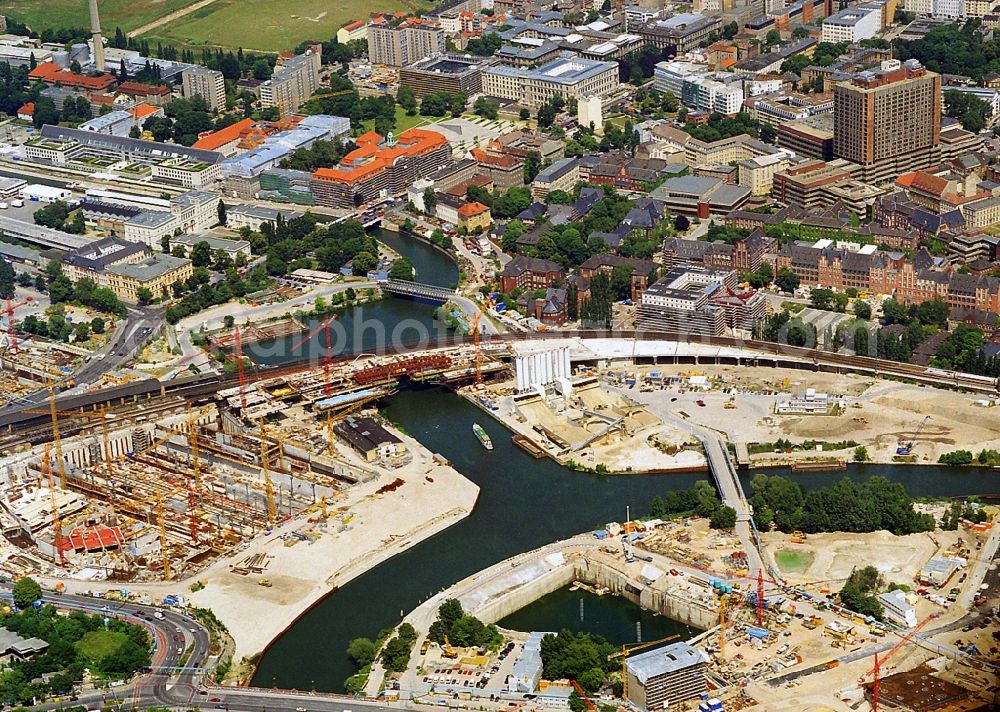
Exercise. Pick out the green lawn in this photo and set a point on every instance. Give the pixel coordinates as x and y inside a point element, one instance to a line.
<point>793,562</point>
<point>127,14</point>
<point>404,122</point>
<point>98,643</point>
<point>267,25</point>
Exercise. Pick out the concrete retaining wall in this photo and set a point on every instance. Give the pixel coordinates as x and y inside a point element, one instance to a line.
<point>514,600</point>
<point>596,573</point>
<point>678,609</point>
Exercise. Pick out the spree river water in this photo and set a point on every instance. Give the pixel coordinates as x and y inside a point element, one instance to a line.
<point>524,503</point>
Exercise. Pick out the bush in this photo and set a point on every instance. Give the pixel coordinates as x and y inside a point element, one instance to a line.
<point>956,457</point>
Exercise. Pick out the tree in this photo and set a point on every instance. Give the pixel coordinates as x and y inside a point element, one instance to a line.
<point>26,591</point>
<point>97,325</point>
<point>402,269</point>
<point>524,114</point>
<point>201,254</point>
<point>862,310</point>
<point>861,454</point>
<point>430,201</point>
<point>486,107</point>
<point>362,651</point>
<point>81,332</point>
<point>532,165</point>
<point>773,37</point>
<point>656,508</point>
<point>221,212</point>
<point>408,100</point>
<point>723,518</point>
<point>165,244</point>
<point>364,262</point>
<point>144,295</point>
<point>786,280</point>
<point>970,109</point>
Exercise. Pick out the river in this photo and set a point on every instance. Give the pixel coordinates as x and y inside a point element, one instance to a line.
<point>524,503</point>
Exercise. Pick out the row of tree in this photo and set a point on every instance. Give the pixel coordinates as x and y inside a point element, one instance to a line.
<point>846,506</point>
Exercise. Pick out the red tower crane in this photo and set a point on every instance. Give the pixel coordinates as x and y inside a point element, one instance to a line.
<point>10,320</point>
<point>875,685</point>
<point>328,356</point>
<point>239,367</point>
<point>760,598</point>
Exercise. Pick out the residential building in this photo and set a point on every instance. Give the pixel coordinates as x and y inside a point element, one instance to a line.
<point>190,212</point>
<point>561,175</point>
<point>568,77</point>
<point>666,676</point>
<point>405,43</point>
<point>474,217</point>
<point>357,30</point>
<point>697,300</point>
<point>156,272</point>
<point>452,73</point>
<point>982,213</point>
<point>292,82</point>
<point>806,140</point>
<point>380,167</point>
<point>643,271</point>
<point>529,273</point>
<point>207,83</point>
<point>888,122</point>
<point>14,648</point>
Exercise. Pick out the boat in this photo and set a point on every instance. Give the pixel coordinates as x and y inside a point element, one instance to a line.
<point>483,437</point>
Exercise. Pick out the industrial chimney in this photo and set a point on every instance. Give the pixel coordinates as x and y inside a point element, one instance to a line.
<point>95,33</point>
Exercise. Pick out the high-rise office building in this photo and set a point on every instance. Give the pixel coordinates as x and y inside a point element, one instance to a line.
<point>206,83</point>
<point>888,121</point>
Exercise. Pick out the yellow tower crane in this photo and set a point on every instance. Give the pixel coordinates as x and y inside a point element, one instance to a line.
<point>192,423</point>
<point>265,453</point>
<point>105,436</point>
<point>628,650</point>
<point>55,435</point>
<point>57,541</point>
<point>163,538</point>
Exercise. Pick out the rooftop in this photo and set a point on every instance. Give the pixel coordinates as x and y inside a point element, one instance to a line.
<point>667,659</point>
<point>156,265</point>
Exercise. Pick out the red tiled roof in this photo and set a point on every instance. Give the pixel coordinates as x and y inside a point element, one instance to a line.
<point>372,156</point>
<point>353,25</point>
<point>930,183</point>
<point>143,89</point>
<point>100,99</point>
<point>470,209</point>
<point>52,73</point>
<point>502,160</point>
<point>27,110</point>
<point>221,137</point>
<point>142,111</point>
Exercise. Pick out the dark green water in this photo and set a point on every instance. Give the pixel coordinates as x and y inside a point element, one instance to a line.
<point>617,619</point>
<point>523,504</point>
<point>377,325</point>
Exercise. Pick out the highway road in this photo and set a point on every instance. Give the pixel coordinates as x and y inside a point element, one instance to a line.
<point>129,337</point>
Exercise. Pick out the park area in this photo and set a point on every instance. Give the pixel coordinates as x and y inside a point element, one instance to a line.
<point>126,14</point>
<point>267,26</point>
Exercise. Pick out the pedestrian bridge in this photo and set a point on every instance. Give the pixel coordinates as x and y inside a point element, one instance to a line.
<point>417,290</point>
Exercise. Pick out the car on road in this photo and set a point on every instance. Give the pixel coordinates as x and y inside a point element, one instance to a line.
<point>216,699</point>
<point>700,403</point>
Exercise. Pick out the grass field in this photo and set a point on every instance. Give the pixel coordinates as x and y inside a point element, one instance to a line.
<point>267,25</point>
<point>98,643</point>
<point>404,122</point>
<point>127,14</point>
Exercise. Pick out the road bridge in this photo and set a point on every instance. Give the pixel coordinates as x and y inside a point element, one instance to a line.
<point>39,235</point>
<point>418,290</point>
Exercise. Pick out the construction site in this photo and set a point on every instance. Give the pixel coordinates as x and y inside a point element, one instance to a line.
<point>158,490</point>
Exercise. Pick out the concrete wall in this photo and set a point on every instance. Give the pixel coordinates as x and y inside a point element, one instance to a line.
<point>515,599</point>
<point>596,573</point>
<point>599,574</point>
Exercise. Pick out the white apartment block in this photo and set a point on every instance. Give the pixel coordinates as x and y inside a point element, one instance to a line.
<point>206,83</point>
<point>292,82</point>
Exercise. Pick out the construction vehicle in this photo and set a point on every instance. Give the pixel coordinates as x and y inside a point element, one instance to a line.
<point>905,448</point>
<point>449,652</point>
<point>266,583</point>
<point>730,404</point>
<point>624,653</point>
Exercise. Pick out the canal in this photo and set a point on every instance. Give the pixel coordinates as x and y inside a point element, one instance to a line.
<point>524,503</point>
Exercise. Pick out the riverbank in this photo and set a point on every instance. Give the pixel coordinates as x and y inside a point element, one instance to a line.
<point>364,529</point>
